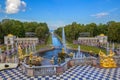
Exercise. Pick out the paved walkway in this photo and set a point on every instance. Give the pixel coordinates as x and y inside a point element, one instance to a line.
<point>74,73</point>
<point>11,65</point>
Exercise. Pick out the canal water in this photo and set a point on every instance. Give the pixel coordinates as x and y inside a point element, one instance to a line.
<point>58,47</point>
<point>53,53</point>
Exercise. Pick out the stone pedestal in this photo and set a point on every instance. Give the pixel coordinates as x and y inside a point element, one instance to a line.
<point>59,70</point>
<point>71,63</point>
<point>30,72</point>
<point>94,63</point>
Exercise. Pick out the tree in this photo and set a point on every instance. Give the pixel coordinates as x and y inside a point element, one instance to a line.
<point>92,28</point>
<point>112,29</point>
<point>18,28</point>
<point>30,26</point>
<point>102,29</point>
<point>42,32</point>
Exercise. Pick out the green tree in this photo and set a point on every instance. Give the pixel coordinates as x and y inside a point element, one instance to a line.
<point>112,28</point>
<point>92,28</point>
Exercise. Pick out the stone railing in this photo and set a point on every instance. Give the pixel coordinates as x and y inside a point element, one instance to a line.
<point>52,69</point>
<point>45,70</point>
<point>38,70</point>
<point>8,60</point>
<point>117,60</point>
<point>83,61</point>
<point>59,69</point>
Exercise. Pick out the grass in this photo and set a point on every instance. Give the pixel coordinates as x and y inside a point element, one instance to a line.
<point>48,43</point>
<point>116,45</point>
<point>49,40</point>
<point>85,48</point>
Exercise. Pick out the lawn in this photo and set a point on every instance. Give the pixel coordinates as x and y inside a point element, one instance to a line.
<point>48,43</point>
<point>85,48</point>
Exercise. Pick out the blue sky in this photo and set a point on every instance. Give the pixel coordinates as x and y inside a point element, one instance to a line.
<point>61,12</point>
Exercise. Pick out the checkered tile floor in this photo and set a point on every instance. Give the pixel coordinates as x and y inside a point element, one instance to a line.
<point>75,73</point>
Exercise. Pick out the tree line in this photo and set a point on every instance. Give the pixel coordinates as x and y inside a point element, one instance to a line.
<point>72,31</point>
<point>18,28</point>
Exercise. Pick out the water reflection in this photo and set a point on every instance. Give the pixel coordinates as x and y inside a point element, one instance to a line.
<point>57,44</point>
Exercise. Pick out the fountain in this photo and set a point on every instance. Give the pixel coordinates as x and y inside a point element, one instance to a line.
<point>15,59</point>
<point>78,55</point>
<point>107,48</point>
<point>74,56</point>
<point>34,47</point>
<point>29,48</point>
<point>26,50</point>
<point>62,55</point>
<point>63,38</point>
<point>113,47</point>
<point>79,52</point>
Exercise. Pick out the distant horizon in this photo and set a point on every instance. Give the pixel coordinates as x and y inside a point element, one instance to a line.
<point>58,13</point>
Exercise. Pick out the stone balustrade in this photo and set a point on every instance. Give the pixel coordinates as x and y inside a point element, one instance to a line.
<point>117,60</point>
<point>59,69</point>
<point>38,70</point>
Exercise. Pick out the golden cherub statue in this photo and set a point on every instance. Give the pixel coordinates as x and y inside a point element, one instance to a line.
<point>107,61</point>
<point>20,54</point>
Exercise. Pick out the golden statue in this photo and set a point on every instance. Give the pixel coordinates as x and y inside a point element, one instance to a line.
<point>31,56</point>
<point>34,60</point>
<point>20,53</point>
<point>62,55</point>
<point>63,51</point>
<point>107,61</point>
<point>71,55</point>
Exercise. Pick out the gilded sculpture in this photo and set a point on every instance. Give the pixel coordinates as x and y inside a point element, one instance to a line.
<point>107,61</point>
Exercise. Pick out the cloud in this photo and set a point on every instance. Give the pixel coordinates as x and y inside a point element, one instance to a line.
<point>23,5</point>
<point>100,15</point>
<point>14,6</point>
<point>104,14</point>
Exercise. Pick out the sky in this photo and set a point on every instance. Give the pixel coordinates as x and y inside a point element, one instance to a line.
<point>58,13</point>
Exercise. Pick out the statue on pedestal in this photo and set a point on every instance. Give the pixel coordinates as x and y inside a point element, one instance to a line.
<point>107,61</point>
